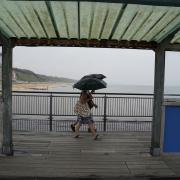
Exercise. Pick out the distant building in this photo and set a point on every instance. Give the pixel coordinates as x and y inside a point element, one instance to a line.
<point>14,77</point>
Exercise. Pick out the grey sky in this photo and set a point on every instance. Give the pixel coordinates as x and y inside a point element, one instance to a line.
<point>121,66</point>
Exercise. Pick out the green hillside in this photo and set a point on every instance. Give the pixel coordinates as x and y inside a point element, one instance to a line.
<point>29,76</point>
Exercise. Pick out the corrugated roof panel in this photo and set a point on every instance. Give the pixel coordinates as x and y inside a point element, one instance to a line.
<point>99,15</point>
<point>113,13</point>
<point>157,13</point>
<point>141,16</point>
<point>176,38</point>
<point>167,30</point>
<point>19,18</point>
<point>89,20</point>
<point>178,41</point>
<point>59,17</point>
<point>71,15</point>
<point>128,15</point>
<point>5,30</point>
<point>164,21</point>
<point>32,18</point>
<point>85,19</point>
<point>44,17</point>
<point>9,21</point>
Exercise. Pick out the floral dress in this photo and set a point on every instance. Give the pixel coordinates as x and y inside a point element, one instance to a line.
<point>83,113</point>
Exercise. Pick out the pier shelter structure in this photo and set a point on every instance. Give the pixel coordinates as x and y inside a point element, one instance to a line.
<point>132,24</point>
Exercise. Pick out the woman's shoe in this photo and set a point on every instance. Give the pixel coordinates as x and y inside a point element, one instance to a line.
<point>77,136</point>
<point>96,137</point>
<point>73,127</point>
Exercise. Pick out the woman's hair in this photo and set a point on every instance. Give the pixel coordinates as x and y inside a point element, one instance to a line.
<point>84,96</point>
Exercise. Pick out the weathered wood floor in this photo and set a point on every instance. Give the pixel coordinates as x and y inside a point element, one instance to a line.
<point>61,155</point>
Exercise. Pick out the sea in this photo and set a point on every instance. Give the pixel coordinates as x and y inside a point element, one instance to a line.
<point>117,88</point>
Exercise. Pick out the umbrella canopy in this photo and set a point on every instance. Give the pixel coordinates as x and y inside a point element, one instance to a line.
<point>98,76</point>
<point>90,84</point>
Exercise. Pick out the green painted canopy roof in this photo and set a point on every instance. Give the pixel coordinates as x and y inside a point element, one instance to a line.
<point>88,20</point>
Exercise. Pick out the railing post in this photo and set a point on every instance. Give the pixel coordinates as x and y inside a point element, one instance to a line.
<point>105,107</point>
<point>50,113</point>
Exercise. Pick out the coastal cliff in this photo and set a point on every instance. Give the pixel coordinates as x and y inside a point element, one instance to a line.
<point>24,75</point>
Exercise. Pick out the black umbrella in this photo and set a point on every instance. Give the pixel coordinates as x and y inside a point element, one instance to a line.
<point>90,84</point>
<point>98,76</point>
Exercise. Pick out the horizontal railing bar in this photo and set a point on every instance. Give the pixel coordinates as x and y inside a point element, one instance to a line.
<point>128,97</point>
<point>28,114</point>
<point>75,115</point>
<point>50,92</point>
<point>35,95</point>
<point>126,116</point>
<point>171,94</point>
<point>131,97</point>
<point>15,119</point>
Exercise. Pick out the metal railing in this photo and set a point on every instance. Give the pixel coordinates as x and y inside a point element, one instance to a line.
<point>54,111</point>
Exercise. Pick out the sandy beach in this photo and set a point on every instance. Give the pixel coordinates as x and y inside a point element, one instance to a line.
<point>36,86</point>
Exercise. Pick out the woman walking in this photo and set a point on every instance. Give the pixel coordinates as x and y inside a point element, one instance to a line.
<point>84,115</point>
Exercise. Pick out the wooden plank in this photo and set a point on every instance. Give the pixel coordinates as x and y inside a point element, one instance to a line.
<point>19,18</point>
<point>99,14</point>
<point>114,12</point>
<point>176,37</point>
<point>141,16</point>
<point>31,16</point>
<point>86,10</point>
<point>127,16</point>
<point>61,155</point>
<point>175,3</point>
<point>59,18</point>
<point>155,16</point>
<point>5,30</point>
<point>71,16</point>
<point>9,21</point>
<point>43,14</point>
<point>162,23</point>
<point>172,26</point>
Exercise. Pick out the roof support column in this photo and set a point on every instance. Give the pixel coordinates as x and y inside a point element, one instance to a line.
<point>1,103</point>
<point>7,48</point>
<point>158,100</point>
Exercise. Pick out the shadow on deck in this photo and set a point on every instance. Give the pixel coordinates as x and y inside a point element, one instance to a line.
<point>114,155</point>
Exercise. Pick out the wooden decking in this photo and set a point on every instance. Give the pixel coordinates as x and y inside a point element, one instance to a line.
<point>61,155</point>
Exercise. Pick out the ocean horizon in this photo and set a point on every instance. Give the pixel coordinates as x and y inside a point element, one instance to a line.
<point>117,88</point>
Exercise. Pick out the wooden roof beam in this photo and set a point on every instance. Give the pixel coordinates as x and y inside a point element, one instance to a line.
<point>175,3</point>
<point>86,43</point>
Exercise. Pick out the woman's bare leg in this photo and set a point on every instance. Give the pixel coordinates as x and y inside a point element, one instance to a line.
<point>77,126</point>
<point>92,130</point>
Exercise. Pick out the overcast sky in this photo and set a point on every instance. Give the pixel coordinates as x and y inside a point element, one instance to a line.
<point>121,66</point>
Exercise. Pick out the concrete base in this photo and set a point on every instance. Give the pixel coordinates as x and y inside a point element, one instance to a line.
<point>155,151</point>
<point>7,150</point>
